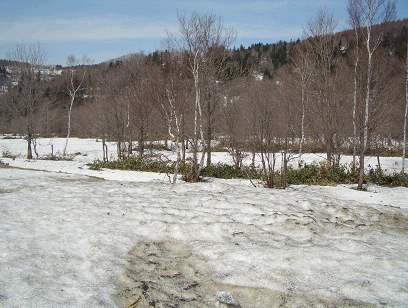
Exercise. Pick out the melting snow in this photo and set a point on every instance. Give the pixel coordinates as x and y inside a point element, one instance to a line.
<point>65,237</point>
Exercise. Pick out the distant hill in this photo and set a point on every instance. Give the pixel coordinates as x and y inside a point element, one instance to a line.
<point>259,59</point>
<point>267,58</point>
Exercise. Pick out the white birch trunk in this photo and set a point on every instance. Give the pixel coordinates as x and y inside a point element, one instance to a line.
<point>366,111</point>
<point>302,138</point>
<point>367,103</point>
<point>198,127</point>
<point>356,26</point>
<point>72,93</point>
<point>355,110</point>
<point>196,104</point>
<point>171,116</point>
<point>69,125</point>
<point>404,142</point>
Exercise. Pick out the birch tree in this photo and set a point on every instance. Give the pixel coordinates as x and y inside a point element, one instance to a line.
<point>354,21</point>
<point>303,69</point>
<point>172,107</point>
<point>74,87</point>
<point>404,140</point>
<point>200,34</point>
<point>370,13</point>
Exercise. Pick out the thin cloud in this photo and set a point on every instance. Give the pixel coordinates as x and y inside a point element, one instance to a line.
<point>117,27</point>
<point>93,28</point>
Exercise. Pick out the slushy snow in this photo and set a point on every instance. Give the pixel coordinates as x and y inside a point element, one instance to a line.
<point>65,234</point>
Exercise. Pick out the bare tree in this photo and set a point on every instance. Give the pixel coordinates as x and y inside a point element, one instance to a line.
<point>354,20</point>
<point>74,87</point>
<point>212,86</point>
<point>262,122</point>
<point>404,141</point>
<point>139,96</point>
<point>111,108</point>
<point>29,59</point>
<point>302,67</point>
<point>323,45</point>
<point>101,109</point>
<point>172,106</point>
<point>235,122</point>
<point>200,35</point>
<point>370,13</point>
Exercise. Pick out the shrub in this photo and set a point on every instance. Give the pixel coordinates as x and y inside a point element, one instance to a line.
<point>57,157</point>
<point>377,176</point>
<point>7,154</point>
<point>321,174</point>
<point>10,137</point>
<point>136,164</point>
<point>225,171</point>
<point>155,146</point>
<point>307,174</point>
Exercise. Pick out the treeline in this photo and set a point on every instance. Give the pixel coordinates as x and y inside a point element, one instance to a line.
<point>337,92</point>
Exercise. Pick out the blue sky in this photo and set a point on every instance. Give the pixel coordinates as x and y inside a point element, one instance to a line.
<point>104,29</point>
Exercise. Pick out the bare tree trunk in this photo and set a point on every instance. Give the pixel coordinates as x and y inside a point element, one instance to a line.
<point>329,148</point>
<point>29,131</point>
<point>141,141</point>
<point>29,149</point>
<point>302,127</point>
<point>202,139</point>
<point>184,141</point>
<point>354,112</point>
<point>361,172</point>
<point>195,175</point>
<point>119,149</point>
<point>174,119</point>
<point>284,168</point>
<point>34,142</point>
<point>130,146</point>
<point>178,144</point>
<point>209,132</point>
<point>106,152</point>
<point>366,116</point>
<point>178,159</point>
<point>69,124</point>
<point>378,161</point>
<point>183,150</point>
<point>404,142</point>
<point>355,22</point>
<point>72,91</point>
<point>104,149</point>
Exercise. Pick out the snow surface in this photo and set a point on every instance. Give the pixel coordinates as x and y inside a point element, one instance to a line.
<point>66,234</point>
<point>87,150</point>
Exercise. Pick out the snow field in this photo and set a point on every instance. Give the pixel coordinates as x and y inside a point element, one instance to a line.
<point>69,238</point>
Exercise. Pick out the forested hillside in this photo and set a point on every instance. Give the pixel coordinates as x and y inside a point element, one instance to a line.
<point>304,95</point>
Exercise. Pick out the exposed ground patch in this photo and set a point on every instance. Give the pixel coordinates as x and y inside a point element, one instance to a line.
<point>168,274</point>
<point>66,240</point>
